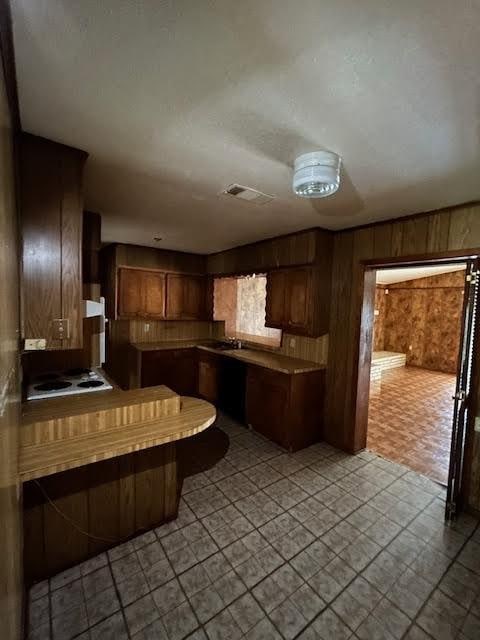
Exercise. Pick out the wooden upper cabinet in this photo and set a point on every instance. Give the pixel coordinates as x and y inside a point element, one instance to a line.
<point>174,296</point>
<point>141,294</point>
<point>144,293</point>
<point>153,294</point>
<point>186,297</point>
<point>275,303</point>
<point>51,205</point>
<point>129,293</point>
<point>298,300</point>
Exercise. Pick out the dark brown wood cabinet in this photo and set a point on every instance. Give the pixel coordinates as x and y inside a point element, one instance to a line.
<point>298,300</point>
<point>209,376</point>
<point>144,293</point>
<point>221,381</point>
<point>186,297</point>
<point>51,204</point>
<point>141,294</point>
<point>275,315</point>
<point>287,409</point>
<point>175,368</point>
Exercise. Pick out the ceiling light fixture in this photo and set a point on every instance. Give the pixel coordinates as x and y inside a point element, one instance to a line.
<point>316,174</point>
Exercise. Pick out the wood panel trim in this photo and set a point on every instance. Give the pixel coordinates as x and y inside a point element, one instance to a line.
<point>414,260</point>
<point>165,271</point>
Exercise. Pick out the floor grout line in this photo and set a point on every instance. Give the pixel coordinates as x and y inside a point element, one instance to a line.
<point>304,581</point>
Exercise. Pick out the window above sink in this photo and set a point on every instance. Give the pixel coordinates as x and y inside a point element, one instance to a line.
<point>240,302</point>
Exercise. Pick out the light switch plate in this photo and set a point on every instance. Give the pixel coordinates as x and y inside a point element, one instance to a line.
<point>35,344</point>
<point>477,424</point>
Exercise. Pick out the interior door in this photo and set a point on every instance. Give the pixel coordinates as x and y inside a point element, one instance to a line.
<point>463,393</point>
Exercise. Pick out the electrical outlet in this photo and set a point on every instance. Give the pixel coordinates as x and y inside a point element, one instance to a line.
<point>35,344</point>
<point>477,424</point>
<point>292,343</point>
<point>147,327</point>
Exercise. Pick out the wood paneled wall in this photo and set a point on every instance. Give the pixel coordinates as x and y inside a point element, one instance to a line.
<point>306,247</point>
<point>111,500</point>
<point>10,521</point>
<point>422,318</point>
<point>455,229</point>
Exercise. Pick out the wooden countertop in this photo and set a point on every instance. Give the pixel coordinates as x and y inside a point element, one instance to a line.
<point>267,359</point>
<point>171,344</point>
<point>274,361</point>
<point>64,433</point>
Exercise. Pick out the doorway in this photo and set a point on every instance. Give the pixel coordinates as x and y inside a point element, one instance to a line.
<point>416,365</point>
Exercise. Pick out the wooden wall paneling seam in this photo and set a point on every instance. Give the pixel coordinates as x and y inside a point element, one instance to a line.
<point>415,236</point>
<point>397,238</point>
<point>382,240</point>
<point>464,228</point>
<point>438,232</point>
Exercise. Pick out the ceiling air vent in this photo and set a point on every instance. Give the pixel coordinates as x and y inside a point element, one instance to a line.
<point>246,193</point>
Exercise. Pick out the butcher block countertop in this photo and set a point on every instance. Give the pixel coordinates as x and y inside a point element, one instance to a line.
<point>267,359</point>
<point>63,433</point>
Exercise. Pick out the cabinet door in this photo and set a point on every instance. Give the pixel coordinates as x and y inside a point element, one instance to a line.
<point>174,304</point>
<point>130,293</point>
<point>298,299</point>
<point>193,297</point>
<point>184,372</point>
<point>185,297</point>
<point>153,292</point>
<point>208,380</point>
<point>275,303</point>
<point>267,403</point>
<point>156,368</point>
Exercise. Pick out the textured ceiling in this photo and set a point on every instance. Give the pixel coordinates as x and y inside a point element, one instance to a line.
<point>389,276</point>
<point>174,100</point>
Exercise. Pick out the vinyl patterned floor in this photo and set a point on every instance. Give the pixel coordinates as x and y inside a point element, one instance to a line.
<point>314,545</point>
<point>410,419</point>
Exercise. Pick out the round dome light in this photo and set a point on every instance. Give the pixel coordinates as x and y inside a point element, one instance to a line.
<point>316,174</point>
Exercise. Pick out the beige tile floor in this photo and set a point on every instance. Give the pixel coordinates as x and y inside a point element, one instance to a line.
<point>267,545</point>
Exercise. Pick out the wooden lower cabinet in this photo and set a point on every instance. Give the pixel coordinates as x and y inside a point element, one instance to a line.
<point>111,500</point>
<point>287,409</point>
<point>209,377</point>
<point>222,381</point>
<point>175,368</point>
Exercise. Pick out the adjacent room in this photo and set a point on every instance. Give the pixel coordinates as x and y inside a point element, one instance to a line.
<point>414,366</point>
<point>218,221</point>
